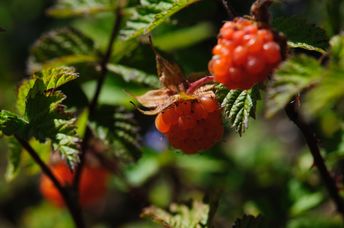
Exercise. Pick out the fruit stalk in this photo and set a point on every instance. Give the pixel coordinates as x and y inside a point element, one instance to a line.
<point>196,84</point>
<point>311,141</point>
<point>71,204</point>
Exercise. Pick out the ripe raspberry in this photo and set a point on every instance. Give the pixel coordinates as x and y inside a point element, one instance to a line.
<point>244,55</point>
<point>191,125</point>
<point>92,184</point>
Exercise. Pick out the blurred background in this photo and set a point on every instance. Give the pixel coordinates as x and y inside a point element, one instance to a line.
<point>267,171</point>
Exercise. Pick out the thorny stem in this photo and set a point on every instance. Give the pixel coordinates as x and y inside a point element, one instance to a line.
<point>71,205</point>
<point>196,84</point>
<point>92,106</point>
<point>311,140</point>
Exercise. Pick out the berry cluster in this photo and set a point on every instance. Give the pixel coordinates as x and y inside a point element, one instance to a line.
<point>191,125</point>
<point>92,185</point>
<point>244,55</point>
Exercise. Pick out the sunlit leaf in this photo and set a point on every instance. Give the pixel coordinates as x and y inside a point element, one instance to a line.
<point>180,216</point>
<point>64,46</point>
<point>71,8</point>
<point>294,75</point>
<point>149,14</point>
<point>238,106</point>
<point>47,116</point>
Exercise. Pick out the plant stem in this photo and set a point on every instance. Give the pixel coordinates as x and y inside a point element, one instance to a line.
<point>228,8</point>
<point>71,205</point>
<point>311,141</point>
<point>93,104</point>
<point>196,84</point>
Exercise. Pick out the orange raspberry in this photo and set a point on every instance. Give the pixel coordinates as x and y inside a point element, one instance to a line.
<point>92,184</point>
<point>245,54</point>
<point>198,125</point>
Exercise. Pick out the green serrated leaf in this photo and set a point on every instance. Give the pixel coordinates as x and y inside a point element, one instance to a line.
<point>64,46</point>
<point>72,8</point>
<point>238,106</point>
<point>249,221</point>
<point>149,14</point>
<point>47,116</point>
<point>294,75</point>
<point>179,216</point>
<point>301,34</point>
<point>11,124</point>
<point>56,77</point>
<point>305,46</point>
<point>134,75</point>
<point>117,127</point>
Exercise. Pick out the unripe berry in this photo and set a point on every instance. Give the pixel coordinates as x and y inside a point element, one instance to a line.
<point>92,185</point>
<point>245,54</point>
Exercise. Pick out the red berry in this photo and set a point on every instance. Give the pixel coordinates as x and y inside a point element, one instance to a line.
<point>92,184</point>
<point>199,124</point>
<point>245,54</point>
<point>160,124</point>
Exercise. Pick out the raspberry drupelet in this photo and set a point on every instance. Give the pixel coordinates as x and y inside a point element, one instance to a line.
<point>244,55</point>
<point>191,125</point>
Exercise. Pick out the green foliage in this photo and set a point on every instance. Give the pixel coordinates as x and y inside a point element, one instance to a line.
<point>180,215</point>
<point>72,8</point>
<point>11,124</point>
<point>330,90</point>
<point>133,75</point>
<point>46,215</point>
<point>301,34</point>
<point>249,221</point>
<point>149,14</point>
<point>63,46</point>
<point>238,106</point>
<point>47,116</point>
<point>294,75</point>
<point>184,37</point>
<point>117,128</point>
<point>14,159</point>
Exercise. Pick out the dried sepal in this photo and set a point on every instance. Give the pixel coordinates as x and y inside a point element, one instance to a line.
<point>170,74</point>
<point>156,100</point>
<point>206,90</point>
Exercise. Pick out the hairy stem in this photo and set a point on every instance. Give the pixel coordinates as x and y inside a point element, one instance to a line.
<point>311,141</point>
<point>69,202</point>
<point>93,104</point>
<point>196,84</point>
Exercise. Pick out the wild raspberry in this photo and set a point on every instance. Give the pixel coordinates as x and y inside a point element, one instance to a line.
<point>92,184</point>
<point>191,125</point>
<point>244,55</point>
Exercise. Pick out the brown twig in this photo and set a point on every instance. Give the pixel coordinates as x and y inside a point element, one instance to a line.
<point>92,106</point>
<point>69,202</point>
<point>293,114</point>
